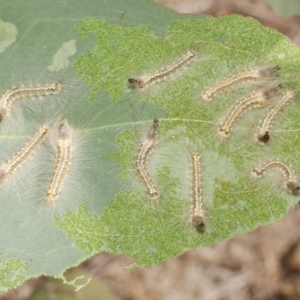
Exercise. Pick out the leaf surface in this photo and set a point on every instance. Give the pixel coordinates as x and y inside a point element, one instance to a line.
<point>103,205</point>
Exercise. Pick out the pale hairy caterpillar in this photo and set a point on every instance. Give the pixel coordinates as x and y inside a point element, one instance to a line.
<point>256,99</point>
<point>145,81</point>
<point>26,91</point>
<point>264,128</point>
<point>145,149</point>
<point>237,79</point>
<point>292,184</point>
<point>63,156</point>
<point>16,161</point>
<point>197,206</point>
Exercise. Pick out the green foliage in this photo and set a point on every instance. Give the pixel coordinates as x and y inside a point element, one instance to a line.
<point>104,207</point>
<point>10,273</point>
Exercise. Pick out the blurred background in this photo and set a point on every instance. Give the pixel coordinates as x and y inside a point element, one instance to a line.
<point>282,15</point>
<point>263,264</point>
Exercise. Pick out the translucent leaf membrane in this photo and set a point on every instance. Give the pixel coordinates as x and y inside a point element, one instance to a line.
<point>36,51</point>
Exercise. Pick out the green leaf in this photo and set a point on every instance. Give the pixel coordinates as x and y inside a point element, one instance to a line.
<point>103,206</point>
<point>234,202</point>
<point>40,44</point>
